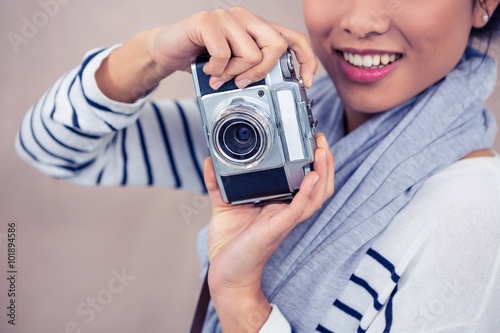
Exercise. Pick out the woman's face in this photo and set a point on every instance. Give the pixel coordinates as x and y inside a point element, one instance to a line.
<point>395,49</point>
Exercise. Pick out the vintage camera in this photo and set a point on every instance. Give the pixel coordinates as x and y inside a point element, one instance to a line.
<point>261,138</point>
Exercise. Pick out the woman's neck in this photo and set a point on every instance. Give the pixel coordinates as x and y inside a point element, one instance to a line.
<point>354,119</point>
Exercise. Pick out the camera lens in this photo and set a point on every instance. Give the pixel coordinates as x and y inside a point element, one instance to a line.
<point>242,135</point>
<point>239,139</point>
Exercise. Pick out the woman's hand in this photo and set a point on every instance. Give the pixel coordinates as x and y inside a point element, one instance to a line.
<point>242,46</point>
<point>242,238</point>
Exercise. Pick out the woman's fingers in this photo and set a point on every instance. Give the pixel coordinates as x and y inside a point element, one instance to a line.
<point>242,46</point>
<point>245,47</point>
<point>231,48</point>
<point>272,45</point>
<point>323,187</point>
<point>211,184</point>
<point>329,165</point>
<point>330,162</point>
<point>318,195</point>
<point>302,49</point>
<point>288,217</point>
<point>255,47</point>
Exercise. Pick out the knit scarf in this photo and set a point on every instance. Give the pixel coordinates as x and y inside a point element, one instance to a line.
<point>378,169</point>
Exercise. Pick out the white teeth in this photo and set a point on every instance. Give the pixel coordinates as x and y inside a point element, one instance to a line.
<point>358,61</point>
<point>385,59</point>
<point>368,61</point>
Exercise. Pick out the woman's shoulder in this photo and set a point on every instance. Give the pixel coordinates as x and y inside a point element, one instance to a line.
<point>446,247</point>
<point>454,216</point>
<point>457,211</point>
<point>467,188</point>
<point>458,205</point>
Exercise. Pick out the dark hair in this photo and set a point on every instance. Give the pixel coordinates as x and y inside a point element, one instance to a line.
<point>485,35</point>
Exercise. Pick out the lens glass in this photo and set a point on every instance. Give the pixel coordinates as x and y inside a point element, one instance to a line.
<point>239,139</point>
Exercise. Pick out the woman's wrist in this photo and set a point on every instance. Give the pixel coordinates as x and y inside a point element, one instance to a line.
<point>130,72</point>
<point>241,310</point>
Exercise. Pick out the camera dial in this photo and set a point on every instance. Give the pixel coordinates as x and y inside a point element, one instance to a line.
<point>287,66</point>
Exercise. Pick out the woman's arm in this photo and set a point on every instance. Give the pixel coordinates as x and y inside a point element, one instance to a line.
<point>96,125</point>
<point>75,132</point>
<point>242,47</point>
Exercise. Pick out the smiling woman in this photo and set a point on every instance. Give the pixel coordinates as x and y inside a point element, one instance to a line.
<point>415,38</point>
<point>400,234</point>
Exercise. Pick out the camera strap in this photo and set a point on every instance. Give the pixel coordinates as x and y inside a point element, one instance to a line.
<point>201,307</point>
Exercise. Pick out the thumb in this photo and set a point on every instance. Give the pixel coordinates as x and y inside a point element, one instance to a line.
<point>211,184</point>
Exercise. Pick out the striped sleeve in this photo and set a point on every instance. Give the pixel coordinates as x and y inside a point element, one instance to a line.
<point>75,132</point>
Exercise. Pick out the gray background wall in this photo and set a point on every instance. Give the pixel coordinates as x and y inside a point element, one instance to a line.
<point>71,240</point>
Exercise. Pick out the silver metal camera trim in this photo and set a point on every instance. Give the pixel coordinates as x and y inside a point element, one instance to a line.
<point>253,114</point>
<point>295,169</point>
<point>216,103</point>
<point>291,124</point>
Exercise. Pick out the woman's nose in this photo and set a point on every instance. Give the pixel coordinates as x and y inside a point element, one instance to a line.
<point>365,18</point>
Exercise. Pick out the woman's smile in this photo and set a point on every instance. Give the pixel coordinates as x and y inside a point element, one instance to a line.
<point>367,66</point>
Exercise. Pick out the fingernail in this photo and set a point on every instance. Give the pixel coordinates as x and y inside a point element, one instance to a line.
<point>325,142</point>
<point>320,137</point>
<point>216,85</point>
<point>323,155</point>
<point>315,180</point>
<point>243,83</point>
<point>311,79</point>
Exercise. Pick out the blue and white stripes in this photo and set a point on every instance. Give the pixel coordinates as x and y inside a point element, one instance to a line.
<point>369,293</point>
<point>75,132</point>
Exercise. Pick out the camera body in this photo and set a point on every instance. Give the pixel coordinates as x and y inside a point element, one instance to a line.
<point>261,138</point>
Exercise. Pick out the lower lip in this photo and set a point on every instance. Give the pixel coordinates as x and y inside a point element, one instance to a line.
<point>366,75</point>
